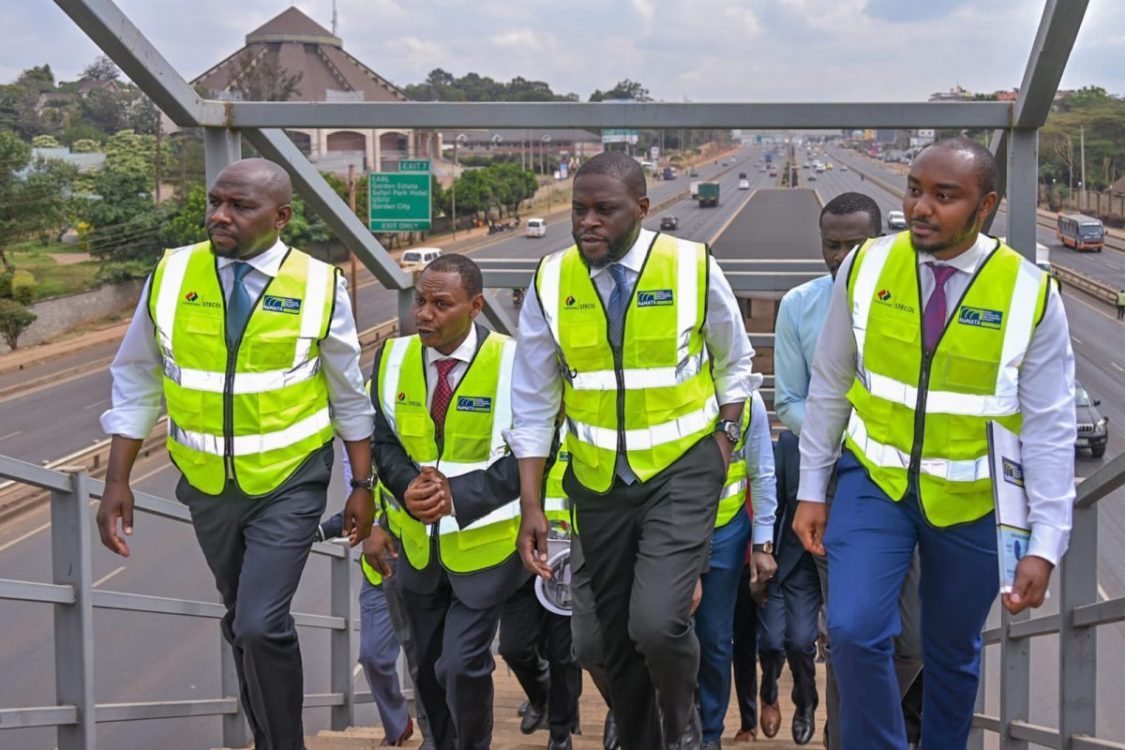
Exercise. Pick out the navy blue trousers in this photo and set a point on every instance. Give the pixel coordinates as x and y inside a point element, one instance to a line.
<point>870,540</point>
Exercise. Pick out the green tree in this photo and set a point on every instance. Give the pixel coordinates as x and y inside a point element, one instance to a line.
<point>31,202</point>
<point>184,223</point>
<point>261,77</point>
<point>625,89</point>
<point>101,70</point>
<point>44,141</point>
<point>442,86</point>
<point>14,320</point>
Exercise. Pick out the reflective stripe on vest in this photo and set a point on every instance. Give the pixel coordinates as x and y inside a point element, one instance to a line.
<point>733,498</point>
<point>660,381</point>
<point>479,412</point>
<point>556,505</point>
<point>253,415</point>
<point>971,378</point>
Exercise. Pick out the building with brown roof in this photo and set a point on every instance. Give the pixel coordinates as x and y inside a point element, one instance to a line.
<point>292,57</point>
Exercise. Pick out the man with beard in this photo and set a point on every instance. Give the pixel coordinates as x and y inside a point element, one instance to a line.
<point>930,334</point>
<point>253,347</point>
<point>640,338</point>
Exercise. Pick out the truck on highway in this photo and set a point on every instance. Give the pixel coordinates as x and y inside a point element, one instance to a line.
<point>708,194</point>
<point>693,189</point>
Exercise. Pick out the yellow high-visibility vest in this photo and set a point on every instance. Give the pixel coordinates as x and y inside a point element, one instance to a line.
<point>655,397</point>
<point>733,499</point>
<point>479,411</point>
<point>255,413</point>
<point>926,414</point>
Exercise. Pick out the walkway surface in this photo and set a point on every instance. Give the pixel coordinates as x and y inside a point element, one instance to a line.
<point>506,735</point>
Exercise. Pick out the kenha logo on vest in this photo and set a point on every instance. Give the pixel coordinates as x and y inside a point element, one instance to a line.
<point>479,404</point>
<point>290,305</point>
<point>655,298</point>
<point>980,317</point>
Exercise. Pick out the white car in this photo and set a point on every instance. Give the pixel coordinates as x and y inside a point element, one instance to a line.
<point>896,220</point>
<point>418,258</point>
<point>744,184</point>
<point>536,227</point>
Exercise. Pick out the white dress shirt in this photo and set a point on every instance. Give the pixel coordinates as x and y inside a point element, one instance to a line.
<point>463,354</point>
<point>1046,398</point>
<point>138,384</point>
<point>536,381</point>
<point>758,452</point>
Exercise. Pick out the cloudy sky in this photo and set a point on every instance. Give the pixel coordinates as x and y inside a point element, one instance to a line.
<point>702,50</point>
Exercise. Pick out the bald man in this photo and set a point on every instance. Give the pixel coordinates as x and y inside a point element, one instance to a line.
<point>252,345</point>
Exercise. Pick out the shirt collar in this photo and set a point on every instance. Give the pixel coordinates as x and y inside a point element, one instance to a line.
<point>464,352</point>
<point>967,261</point>
<point>268,262</point>
<point>634,260</point>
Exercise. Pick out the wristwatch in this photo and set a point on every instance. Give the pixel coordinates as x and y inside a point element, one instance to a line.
<point>731,430</point>
<point>766,547</point>
<point>367,483</point>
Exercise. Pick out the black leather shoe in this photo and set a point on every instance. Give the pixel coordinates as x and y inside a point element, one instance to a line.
<point>692,736</point>
<point>712,745</point>
<point>576,725</point>
<point>804,725</point>
<point>609,732</point>
<point>563,744</point>
<point>535,717</point>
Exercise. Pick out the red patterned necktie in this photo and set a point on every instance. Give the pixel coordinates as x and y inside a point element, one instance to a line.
<point>933,320</point>
<point>439,404</point>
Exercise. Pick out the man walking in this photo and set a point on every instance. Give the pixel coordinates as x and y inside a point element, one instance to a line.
<point>253,347</point>
<point>845,222</point>
<point>442,405</point>
<point>639,337</point>
<point>930,334</point>
<point>1121,304</point>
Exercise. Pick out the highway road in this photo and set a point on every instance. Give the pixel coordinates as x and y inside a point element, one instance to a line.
<point>156,657</point>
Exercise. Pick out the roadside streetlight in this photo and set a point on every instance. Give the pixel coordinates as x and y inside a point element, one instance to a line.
<point>461,138</point>
<point>546,168</point>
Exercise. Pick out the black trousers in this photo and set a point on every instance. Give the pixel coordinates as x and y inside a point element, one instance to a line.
<point>257,549</point>
<point>646,545</point>
<point>787,631</point>
<point>554,683</point>
<point>452,648</point>
<point>746,653</point>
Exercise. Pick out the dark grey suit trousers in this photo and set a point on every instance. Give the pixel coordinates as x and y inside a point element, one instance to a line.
<point>257,549</point>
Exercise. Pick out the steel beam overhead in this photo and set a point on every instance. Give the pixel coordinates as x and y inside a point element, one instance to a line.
<point>124,43</point>
<point>1054,40</point>
<point>493,115</point>
<point>276,146</point>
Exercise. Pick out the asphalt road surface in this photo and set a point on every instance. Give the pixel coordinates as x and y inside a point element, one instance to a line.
<point>158,657</point>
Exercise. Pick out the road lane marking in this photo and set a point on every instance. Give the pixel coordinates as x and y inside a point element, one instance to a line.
<point>1119,367</point>
<point>11,435</point>
<point>107,576</point>
<point>95,405</point>
<point>1075,339</point>
<point>1081,301</point>
<point>28,535</point>
<point>1102,593</point>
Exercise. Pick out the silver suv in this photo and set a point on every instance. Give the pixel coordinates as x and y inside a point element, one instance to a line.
<point>1093,428</point>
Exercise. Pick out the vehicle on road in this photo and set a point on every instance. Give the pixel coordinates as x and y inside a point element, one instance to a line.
<point>811,178</point>
<point>708,194</point>
<point>692,172</point>
<point>1080,232</point>
<point>536,227</point>
<point>1093,428</point>
<point>896,220</point>
<point>668,223</point>
<point>669,173</point>
<point>693,189</point>
<point>418,258</point>
<point>744,184</point>
<point>773,172</point>
<point>829,166</point>
<point>843,167</point>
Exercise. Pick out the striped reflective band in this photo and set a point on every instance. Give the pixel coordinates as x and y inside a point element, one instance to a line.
<point>175,268</point>
<point>648,437</point>
<point>874,258</point>
<point>1021,325</point>
<point>249,445</point>
<point>244,382</point>
<point>394,353</point>
<point>312,309</point>
<point>890,457</point>
<point>687,295</point>
<point>942,402</point>
<point>506,512</point>
<point>733,489</point>
<point>550,273</point>
<point>556,504</point>
<point>641,378</point>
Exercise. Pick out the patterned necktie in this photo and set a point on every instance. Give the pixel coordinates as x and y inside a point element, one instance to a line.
<point>618,301</point>
<point>238,306</point>
<point>933,320</point>
<point>439,404</point>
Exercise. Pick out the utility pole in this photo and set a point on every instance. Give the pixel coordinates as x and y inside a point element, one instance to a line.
<point>1082,155</point>
<point>158,161</point>
<point>352,287</point>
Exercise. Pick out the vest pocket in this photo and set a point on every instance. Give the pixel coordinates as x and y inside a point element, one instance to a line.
<point>270,350</point>
<point>966,374</point>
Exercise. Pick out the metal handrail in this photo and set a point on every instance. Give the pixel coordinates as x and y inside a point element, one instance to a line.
<point>76,713</point>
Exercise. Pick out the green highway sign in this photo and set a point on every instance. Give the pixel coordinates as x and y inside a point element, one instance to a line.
<point>400,201</point>
<point>414,165</point>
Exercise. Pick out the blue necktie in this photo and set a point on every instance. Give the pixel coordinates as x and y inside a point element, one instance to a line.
<point>238,306</point>
<point>618,301</point>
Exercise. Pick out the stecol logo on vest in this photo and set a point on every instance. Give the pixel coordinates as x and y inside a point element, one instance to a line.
<point>573,304</point>
<point>654,298</point>
<point>193,298</point>
<point>290,305</point>
<point>480,404</point>
<point>980,317</point>
<point>885,297</point>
